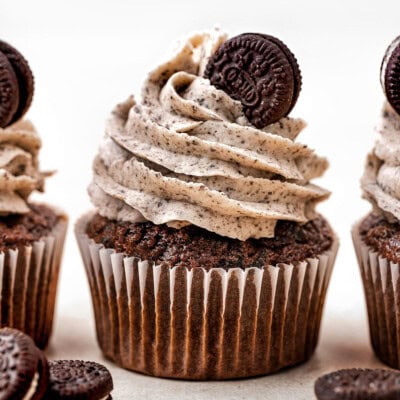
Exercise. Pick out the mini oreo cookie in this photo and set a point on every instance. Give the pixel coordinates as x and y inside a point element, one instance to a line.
<point>24,77</point>
<point>359,384</point>
<point>9,92</point>
<point>24,370</point>
<point>259,71</point>
<point>390,74</point>
<point>75,379</point>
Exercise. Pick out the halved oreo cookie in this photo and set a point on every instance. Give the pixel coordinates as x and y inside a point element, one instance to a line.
<point>259,71</point>
<point>9,92</point>
<point>357,383</point>
<point>74,379</point>
<point>24,77</point>
<point>390,74</point>
<point>24,371</point>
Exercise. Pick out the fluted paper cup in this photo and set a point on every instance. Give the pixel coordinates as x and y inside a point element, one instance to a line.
<point>204,324</point>
<point>381,284</point>
<point>28,284</point>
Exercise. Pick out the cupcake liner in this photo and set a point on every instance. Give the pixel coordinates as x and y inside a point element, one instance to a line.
<point>382,293</point>
<point>28,284</point>
<point>204,324</point>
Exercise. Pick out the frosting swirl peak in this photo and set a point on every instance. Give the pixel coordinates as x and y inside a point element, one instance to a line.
<point>186,154</point>
<point>380,182</point>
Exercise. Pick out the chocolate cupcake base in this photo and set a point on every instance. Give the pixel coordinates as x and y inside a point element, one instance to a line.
<point>29,277</point>
<point>381,281</point>
<point>204,323</point>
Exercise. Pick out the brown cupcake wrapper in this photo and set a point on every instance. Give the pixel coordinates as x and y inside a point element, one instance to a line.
<point>204,324</point>
<point>28,284</point>
<point>382,293</point>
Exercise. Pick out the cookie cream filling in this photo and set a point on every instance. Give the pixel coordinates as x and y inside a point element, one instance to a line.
<point>186,154</point>
<point>32,390</point>
<point>381,180</point>
<point>19,167</point>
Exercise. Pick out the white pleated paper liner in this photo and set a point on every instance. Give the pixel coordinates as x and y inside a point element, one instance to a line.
<point>382,293</point>
<point>199,324</point>
<point>28,284</point>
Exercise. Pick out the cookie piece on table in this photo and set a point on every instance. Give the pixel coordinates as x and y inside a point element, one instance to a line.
<point>75,379</point>
<point>259,71</point>
<point>359,384</point>
<point>24,370</point>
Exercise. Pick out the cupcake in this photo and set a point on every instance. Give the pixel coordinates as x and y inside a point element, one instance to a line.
<point>31,234</point>
<point>377,236</point>
<point>204,254</point>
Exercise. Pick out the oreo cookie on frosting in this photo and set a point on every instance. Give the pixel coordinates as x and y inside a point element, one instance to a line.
<point>390,74</point>
<point>9,95</point>
<point>359,384</point>
<point>16,85</point>
<point>24,370</point>
<point>261,72</point>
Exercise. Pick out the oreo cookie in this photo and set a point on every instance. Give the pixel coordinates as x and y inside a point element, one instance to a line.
<point>16,85</point>
<point>74,379</point>
<point>359,384</point>
<point>390,74</point>
<point>24,370</point>
<point>9,92</point>
<point>261,72</point>
<point>24,76</point>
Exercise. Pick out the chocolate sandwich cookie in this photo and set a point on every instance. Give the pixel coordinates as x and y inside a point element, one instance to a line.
<point>24,77</point>
<point>390,74</point>
<point>24,370</point>
<point>359,384</point>
<point>83,380</point>
<point>259,71</point>
<point>16,85</point>
<point>9,92</point>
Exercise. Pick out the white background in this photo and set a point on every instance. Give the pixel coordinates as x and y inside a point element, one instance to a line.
<point>89,55</point>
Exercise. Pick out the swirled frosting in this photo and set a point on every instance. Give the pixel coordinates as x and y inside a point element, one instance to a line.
<point>19,167</point>
<point>186,154</point>
<point>381,180</point>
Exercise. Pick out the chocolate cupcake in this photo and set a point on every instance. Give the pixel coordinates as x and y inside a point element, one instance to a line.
<point>205,256</point>
<point>31,235</point>
<point>376,237</point>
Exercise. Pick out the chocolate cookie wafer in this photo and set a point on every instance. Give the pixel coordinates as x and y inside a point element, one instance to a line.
<point>360,384</point>
<point>259,71</point>
<point>75,379</point>
<point>9,92</point>
<point>24,77</point>
<point>390,74</point>
<point>24,371</point>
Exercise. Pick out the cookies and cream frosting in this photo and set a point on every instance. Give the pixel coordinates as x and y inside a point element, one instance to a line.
<point>186,154</point>
<point>381,180</point>
<point>19,167</point>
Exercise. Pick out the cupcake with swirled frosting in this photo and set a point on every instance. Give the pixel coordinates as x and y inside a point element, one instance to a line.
<point>31,234</point>
<point>377,236</point>
<point>205,256</point>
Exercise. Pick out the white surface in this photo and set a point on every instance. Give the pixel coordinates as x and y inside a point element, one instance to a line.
<point>88,55</point>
